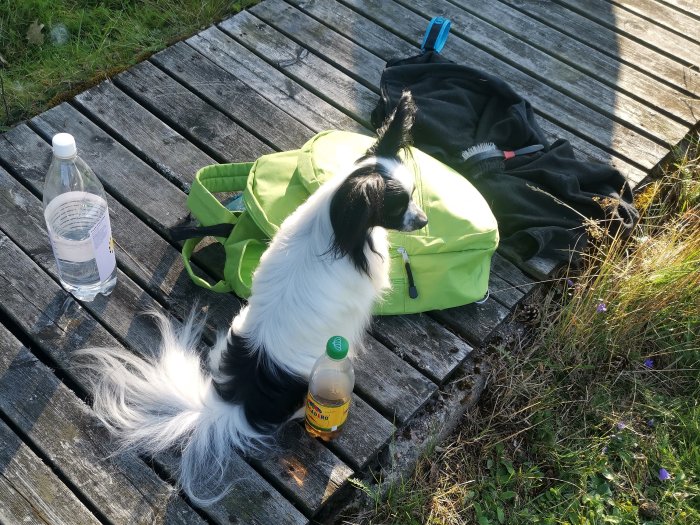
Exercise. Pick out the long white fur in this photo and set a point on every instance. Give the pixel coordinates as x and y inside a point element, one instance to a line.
<point>301,296</point>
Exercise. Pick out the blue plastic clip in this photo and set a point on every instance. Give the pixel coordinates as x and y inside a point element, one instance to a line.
<point>436,34</point>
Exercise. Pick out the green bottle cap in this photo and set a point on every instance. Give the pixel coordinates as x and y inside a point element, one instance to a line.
<point>337,347</point>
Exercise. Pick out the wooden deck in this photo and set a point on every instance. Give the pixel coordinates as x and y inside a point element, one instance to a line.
<point>618,79</point>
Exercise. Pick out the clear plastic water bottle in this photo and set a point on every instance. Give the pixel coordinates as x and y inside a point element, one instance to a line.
<point>77,220</point>
<point>330,390</point>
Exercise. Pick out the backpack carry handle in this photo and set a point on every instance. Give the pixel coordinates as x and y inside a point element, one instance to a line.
<point>187,249</point>
<point>436,34</point>
<point>216,220</point>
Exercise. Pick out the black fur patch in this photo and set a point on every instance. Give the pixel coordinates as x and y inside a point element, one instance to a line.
<point>369,197</point>
<point>269,395</point>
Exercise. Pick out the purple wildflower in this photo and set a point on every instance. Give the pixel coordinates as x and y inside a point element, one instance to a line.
<point>663,474</point>
<point>650,423</point>
<point>621,425</point>
<point>649,363</point>
<point>570,283</point>
<point>601,308</point>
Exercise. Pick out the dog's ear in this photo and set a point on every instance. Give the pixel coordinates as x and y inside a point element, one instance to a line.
<point>355,208</point>
<point>395,133</point>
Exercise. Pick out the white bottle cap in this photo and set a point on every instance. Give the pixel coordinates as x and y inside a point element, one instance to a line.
<point>64,145</point>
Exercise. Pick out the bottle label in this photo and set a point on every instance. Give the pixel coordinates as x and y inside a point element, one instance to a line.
<point>67,217</point>
<point>103,246</point>
<point>324,417</point>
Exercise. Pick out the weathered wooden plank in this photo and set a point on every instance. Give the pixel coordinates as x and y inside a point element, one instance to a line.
<point>357,29</point>
<point>690,7</point>
<point>614,73</point>
<point>271,83</point>
<point>59,425</point>
<point>608,42</point>
<point>369,35</point>
<point>23,222</point>
<point>540,268</point>
<point>129,179</point>
<point>503,292</point>
<point>141,252</point>
<point>421,341</point>
<point>622,21</point>
<point>396,389</point>
<point>304,67</point>
<point>644,121</point>
<point>343,54</point>
<point>474,322</point>
<point>57,324</point>
<point>232,96</point>
<point>136,127</point>
<point>547,101</point>
<point>312,475</point>
<point>31,492</point>
<point>364,435</point>
<point>659,14</point>
<point>193,117</point>
<point>511,273</point>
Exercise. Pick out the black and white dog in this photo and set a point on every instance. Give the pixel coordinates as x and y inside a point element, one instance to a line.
<point>320,276</point>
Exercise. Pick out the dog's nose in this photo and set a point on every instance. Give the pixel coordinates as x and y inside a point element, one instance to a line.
<point>419,220</point>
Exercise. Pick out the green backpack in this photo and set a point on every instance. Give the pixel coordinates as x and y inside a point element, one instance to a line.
<point>443,265</point>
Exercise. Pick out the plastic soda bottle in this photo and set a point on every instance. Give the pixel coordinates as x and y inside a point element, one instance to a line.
<point>330,390</point>
<point>77,220</point>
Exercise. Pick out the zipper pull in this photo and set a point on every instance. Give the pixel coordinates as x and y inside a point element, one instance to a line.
<point>412,290</point>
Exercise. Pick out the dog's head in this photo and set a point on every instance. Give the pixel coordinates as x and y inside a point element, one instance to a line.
<point>379,190</point>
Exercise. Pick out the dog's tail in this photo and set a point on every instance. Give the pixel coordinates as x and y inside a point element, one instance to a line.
<point>167,402</point>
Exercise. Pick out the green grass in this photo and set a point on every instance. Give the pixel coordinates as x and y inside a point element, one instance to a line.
<point>575,423</point>
<point>104,37</point>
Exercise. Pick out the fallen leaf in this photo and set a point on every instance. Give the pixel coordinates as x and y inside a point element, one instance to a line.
<point>34,34</point>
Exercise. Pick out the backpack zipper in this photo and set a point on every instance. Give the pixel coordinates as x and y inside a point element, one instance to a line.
<point>412,290</point>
